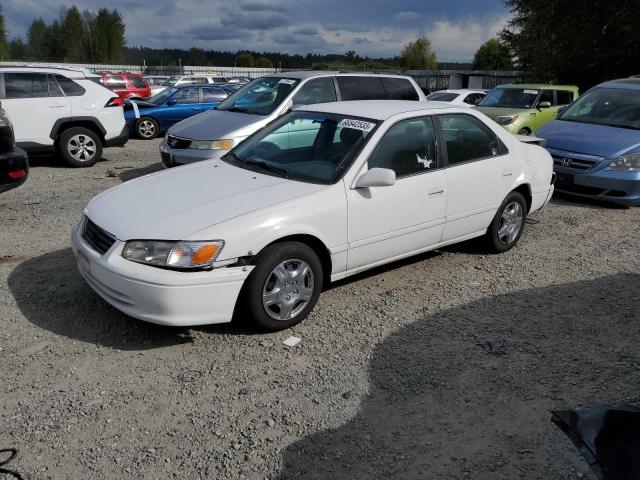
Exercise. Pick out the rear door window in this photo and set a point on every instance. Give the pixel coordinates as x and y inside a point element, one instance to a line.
<point>318,90</point>
<point>54,88</point>
<point>137,82</point>
<point>361,88</point>
<point>399,89</point>
<point>468,139</point>
<point>116,82</point>
<point>564,97</point>
<point>26,85</point>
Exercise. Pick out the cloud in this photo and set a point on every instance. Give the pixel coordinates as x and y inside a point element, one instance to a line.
<point>407,16</point>
<point>259,20</point>
<point>212,32</point>
<point>309,30</point>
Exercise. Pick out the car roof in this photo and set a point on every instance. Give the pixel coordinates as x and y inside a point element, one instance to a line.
<point>376,109</point>
<point>302,74</point>
<point>46,69</point>
<point>628,83</point>
<point>538,86</point>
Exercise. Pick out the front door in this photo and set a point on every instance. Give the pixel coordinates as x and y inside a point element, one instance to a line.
<point>391,222</point>
<point>187,104</point>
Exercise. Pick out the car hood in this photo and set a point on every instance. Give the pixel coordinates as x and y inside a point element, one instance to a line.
<point>173,204</point>
<point>218,124</point>
<point>493,112</point>
<point>589,139</point>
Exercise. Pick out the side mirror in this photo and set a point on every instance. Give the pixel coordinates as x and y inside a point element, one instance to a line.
<point>172,101</point>
<point>376,177</point>
<point>544,105</point>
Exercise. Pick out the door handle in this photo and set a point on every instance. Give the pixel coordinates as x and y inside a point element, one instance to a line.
<point>436,191</point>
<point>57,105</point>
<point>507,173</point>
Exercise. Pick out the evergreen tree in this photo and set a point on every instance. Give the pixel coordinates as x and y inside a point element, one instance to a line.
<point>72,35</point>
<point>38,41</point>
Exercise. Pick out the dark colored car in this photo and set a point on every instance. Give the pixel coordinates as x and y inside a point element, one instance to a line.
<point>14,166</point>
<point>147,119</point>
<point>126,85</point>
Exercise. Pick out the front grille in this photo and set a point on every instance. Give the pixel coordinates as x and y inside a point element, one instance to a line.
<point>575,164</point>
<point>99,239</point>
<point>177,142</point>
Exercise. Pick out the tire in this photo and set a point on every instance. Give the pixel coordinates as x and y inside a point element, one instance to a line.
<point>524,131</point>
<point>80,147</point>
<point>266,299</point>
<point>508,224</point>
<point>147,128</point>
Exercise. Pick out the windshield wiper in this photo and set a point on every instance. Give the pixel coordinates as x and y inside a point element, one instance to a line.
<point>236,109</point>
<point>266,167</point>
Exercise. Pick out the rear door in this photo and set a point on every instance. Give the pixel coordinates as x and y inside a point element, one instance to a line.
<point>34,102</point>
<point>479,172</point>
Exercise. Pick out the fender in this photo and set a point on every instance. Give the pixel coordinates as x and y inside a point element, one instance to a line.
<point>61,121</point>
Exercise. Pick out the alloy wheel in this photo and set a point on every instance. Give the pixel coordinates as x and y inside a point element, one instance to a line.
<point>287,290</point>
<point>510,223</point>
<point>147,129</point>
<point>82,148</point>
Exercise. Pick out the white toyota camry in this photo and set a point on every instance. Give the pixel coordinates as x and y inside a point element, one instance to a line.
<point>319,194</point>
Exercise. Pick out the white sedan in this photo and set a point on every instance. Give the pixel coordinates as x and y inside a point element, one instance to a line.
<point>463,97</point>
<point>320,194</point>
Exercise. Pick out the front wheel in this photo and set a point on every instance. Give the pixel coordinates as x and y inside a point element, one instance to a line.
<point>507,225</point>
<point>525,132</point>
<point>284,286</point>
<point>147,128</point>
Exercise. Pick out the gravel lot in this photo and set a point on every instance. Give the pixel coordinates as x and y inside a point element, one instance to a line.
<point>443,366</point>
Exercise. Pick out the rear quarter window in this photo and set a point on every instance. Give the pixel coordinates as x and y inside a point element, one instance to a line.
<point>361,88</point>
<point>69,87</point>
<point>399,89</point>
<point>116,82</point>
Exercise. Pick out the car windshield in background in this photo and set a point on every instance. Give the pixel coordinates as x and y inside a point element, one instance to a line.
<point>614,107</point>
<point>304,146</point>
<point>260,97</point>
<point>163,96</point>
<point>442,97</point>
<point>510,98</point>
<point>171,81</point>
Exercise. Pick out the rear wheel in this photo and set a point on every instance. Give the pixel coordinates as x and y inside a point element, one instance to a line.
<point>284,286</point>
<point>524,131</point>
<point>147,128</point>
<point>80,147</point>
<point>507,225</point>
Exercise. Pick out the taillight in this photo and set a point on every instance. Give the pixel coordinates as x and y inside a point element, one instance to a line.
<point>16,174</point>
<point>115,102</point>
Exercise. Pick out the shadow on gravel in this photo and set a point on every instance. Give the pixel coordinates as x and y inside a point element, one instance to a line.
<point>467,393</point>
<point>52,295</point>
<point>560,198</point>
<point>53,160</point>
<point>130,174</point>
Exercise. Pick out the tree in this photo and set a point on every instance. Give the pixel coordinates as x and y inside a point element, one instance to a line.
<point>350,56</point>
<point>418,55</point>
<point>108,37</point>
<point>38,40</point>
<point>72,35</point>
<point>4,47</point>
<point>245,60</point>
<point>492,55</point>
<point>554,41</point>
<point>17,49</point>
<point>263,62</point>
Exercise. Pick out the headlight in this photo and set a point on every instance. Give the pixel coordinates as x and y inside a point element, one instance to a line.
<point>226,144</point>
<point>181,255</point>
<point>506,119</point>
<point>626,163</point>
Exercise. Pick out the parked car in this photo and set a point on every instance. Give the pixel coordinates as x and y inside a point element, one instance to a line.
<point>148,119</point>
<point>320,194</point>
<point>62,109</point>
<point>126,85</point>
<point>595,143</point>
<point>523,109</point>
<point>240,80</point>
<point>214,133</point>
<point>14,165</point>
<point>155,80</point>
<point>193,79</point>
<point>461,97</point>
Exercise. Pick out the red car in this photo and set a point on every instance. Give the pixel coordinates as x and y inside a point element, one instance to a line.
<point>126,85</point>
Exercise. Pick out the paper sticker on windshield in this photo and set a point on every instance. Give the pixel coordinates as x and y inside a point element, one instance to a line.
<point>356,124</point>
<point>287,81</point>
<point>531,92</point>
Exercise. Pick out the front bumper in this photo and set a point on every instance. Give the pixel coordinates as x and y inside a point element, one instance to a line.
<point>156,295</point>
<point>120,140</point>
<point>181,156</point>
<point>14,169</point>
<point>622,188</point>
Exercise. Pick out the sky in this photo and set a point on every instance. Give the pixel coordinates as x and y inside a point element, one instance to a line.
<point>373,28</point>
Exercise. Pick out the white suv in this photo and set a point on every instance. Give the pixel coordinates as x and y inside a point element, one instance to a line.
<point>62,109</point>
<point>193,79</point>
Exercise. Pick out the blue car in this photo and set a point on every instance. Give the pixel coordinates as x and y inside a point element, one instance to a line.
<point>150,118</point>
<point>595,144</point>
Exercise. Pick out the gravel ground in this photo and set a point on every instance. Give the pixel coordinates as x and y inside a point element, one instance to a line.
<point>443,366</point>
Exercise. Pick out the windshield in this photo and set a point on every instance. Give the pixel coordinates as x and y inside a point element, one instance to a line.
<point>615,107</point>
<point>171,81</point>
<point>260,97</point>
<point>163,96</point>
<point>510,98</point>
<point>305,146</point>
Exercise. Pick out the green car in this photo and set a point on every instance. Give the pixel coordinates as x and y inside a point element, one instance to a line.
<point>523,109</point>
